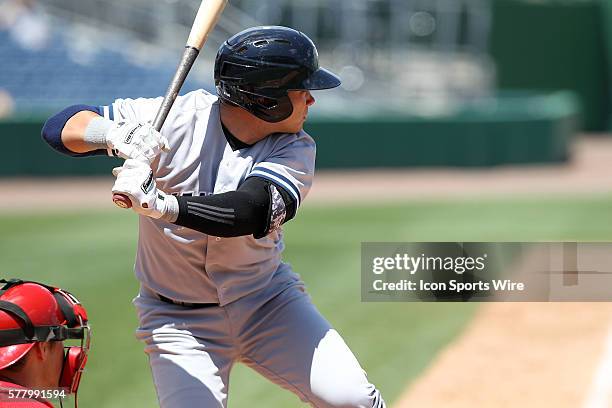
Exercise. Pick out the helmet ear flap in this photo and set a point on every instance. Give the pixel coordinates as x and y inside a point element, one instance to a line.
<point>270,108</point>
<point>226,92</point>
<point>281,111</point>
<point>72,369</point>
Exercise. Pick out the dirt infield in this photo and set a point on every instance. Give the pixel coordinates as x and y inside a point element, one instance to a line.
<point>529,354</point>
<point>512,354</point>
<point>521,355</point>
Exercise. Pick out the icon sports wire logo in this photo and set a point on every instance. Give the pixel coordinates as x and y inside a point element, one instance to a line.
<point>486,271</point>
<point>414,264</point>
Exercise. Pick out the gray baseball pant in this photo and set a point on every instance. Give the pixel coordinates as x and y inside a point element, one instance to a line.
<point>276,331</point>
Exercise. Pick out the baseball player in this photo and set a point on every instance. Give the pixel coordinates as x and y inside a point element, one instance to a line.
<point>35,319</point>
<point>213,190</point>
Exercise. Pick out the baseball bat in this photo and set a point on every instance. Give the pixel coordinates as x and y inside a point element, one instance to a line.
<point>206,18</point>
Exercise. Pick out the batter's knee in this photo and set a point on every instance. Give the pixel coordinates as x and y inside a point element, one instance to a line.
<point>336,378</point>
<point>337,395</point>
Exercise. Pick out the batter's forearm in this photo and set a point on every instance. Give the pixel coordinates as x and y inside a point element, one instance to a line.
<point>80,130</point>
<point>65,131</point>
<point>73,133</point>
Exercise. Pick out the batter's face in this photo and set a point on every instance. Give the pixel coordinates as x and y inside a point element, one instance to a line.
<point>300,100</point>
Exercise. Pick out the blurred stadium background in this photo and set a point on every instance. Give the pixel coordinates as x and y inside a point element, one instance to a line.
<point>457,120</point>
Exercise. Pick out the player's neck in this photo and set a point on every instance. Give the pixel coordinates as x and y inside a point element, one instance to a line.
<point>8,379</point>
<point>244,126</point>
<point>20,377</point>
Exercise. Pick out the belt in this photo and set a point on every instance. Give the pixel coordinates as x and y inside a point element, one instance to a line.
<point>185,304</point>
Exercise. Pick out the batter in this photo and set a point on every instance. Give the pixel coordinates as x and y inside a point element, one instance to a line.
<point>213,189</point>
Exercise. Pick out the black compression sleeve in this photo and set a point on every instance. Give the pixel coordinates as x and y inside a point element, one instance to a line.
<point>245,211</point>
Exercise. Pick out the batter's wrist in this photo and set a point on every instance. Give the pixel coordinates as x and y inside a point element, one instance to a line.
<point>97,131</point>
<point>171,208</point>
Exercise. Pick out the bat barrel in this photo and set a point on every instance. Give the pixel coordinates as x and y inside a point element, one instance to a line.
<point>206,18</point>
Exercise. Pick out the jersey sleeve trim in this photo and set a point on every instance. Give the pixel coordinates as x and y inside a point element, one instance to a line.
<point>278,179</point>
<point>107,112</point>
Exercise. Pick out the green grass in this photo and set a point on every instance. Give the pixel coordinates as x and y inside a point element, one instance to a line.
<point>92,253</point>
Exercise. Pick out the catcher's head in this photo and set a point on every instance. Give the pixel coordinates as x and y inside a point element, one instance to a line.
<point>256,68</point>
<point>37,319</point>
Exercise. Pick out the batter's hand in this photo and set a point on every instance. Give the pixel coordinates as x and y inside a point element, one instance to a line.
<point>135,179</point>
<point>138,141</point>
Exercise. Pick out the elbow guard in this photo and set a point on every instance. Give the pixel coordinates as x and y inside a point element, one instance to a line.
<point>258,207</point>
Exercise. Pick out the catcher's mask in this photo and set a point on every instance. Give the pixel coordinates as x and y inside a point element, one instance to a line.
<point>33,312</point>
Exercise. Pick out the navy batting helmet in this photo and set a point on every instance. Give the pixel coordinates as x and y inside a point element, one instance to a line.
<point>255,68</point>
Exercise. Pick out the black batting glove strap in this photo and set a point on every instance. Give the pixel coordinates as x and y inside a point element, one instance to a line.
<point>19,313</point>
<point>245,211</point>
<point>11,337</point>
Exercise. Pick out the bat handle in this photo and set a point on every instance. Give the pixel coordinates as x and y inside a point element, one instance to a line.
<point>122,201</point>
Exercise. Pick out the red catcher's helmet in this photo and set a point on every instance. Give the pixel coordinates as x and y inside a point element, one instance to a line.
<point>39,305</point>
<point>34,312</point>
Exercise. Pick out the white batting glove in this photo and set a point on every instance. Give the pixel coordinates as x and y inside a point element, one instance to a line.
<point>129,140</point>
<point>136,141</point>
<point>135,179</point>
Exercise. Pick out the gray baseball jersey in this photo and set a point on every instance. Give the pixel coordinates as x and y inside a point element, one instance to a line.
<point>189,266</point>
